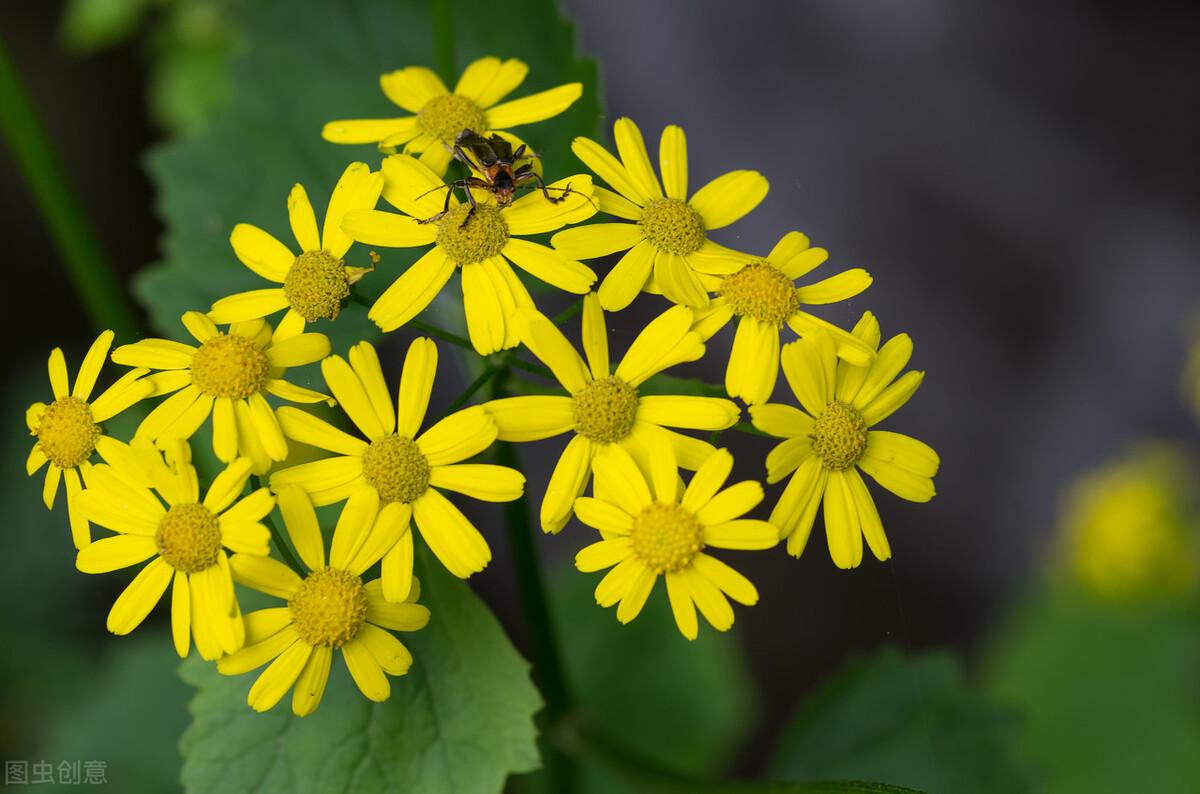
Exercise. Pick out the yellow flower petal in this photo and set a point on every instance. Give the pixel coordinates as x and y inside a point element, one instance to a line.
<point>255,653</point>
<point>365,363</point>
<point>452,538</point>
<point>567,481</point>
<point>321,478</point>
<point>628,277</point>
<point>264,574</point>
<point>310,685</point>
<point>796,509</point>
<point>356,189</point>
<point>412,87</point>
<point>673,162</point>
<point>785,458</point>
<point>394,616</point>
<point>413,291</point>
<point>227,485</point>
<point>115,553</point>
<point>365,671</point>
<point>302,219</point>
<point>396,571</point>
<point>616,583</point>
<point>155,354</point>
<point>729,581</point>
<point>691,412</point>
<point>550,266</point>
<point>619,480</point>
<point>753,361</point>
<point>889,362</point>
<point>710,601</point>
<point>666,340</point>
<point>679,283</point>
<point>868,516</point>
<point>602,515</point>
<point>482,481</point>
<point>903,451</point>
<point>809,366</point>
<point>136,601</point>
<point>261,252</point>
<point>547,342</point>
<point>85,381</point>
<point>308,429</point>
<point>457,437</point>
<point>504,79</point>
<point>387,229</point>
<point>389,525</point>
<point>781,421</point>
<point>278,678</point>
<point>532,417</point>
<point>416,385</point>
<point>57,366</point>
<point>485,314</point>
<point>746,534</point>
<point>729,197</point>
<point>608,168</point>
<point>533,213</point>
<point>300,520</point>
<point>389,653</point>
<point>535,107</point>
<point>632,150</point>
<point>708,480</point>
<point>899,480</point>
<point>269,434</point>
<point>844,285</point>
<point>681,604</point>
<point>298,350</point>
<point>248,305</point>
<point>595,337</point>
<point>349,390</point>
<point>635,595</point>
<point>368,130</point>
<point>841,523</point>
<point>597,239</point>
<point>892,398</point>
<point>736,500</point>
<point>181,615</point>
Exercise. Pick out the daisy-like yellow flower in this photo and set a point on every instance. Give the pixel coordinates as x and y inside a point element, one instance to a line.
<point>667,243</point>
<point>830,440</point>
<point>398,471</point>
<point>228,377</point>
<point>764,299</point>
<point>654,527</point>
<point>602,407</point>
<point>315,282</point>
<point>480,242</point>
<point>154,506</point>
<point>441,115</point>
<point>68,429</point>
<point>327,610</point>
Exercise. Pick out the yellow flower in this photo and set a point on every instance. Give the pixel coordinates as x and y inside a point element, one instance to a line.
<point>602,407</point>
<point>764,299</point>
<point>68,429</point>
<point>653,527</point>
<point>667,243</point>
<point>441,115</point>
<point>328,609</point>
<point>829,441</point>
<point>228,376</point>
<point>187,539</point>
<point>314,282</point>
<point>477,242</point>
<point>1129,530</point>
<point>398,471</point>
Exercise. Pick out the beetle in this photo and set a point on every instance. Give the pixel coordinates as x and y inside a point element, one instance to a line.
<point>496,164</point>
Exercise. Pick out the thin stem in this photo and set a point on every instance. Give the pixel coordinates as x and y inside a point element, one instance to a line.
<point>547,663</point>
<point>528,366</point>
<point>441,333</point>
<point>488,373</point>
<point>443,39</point>
<point>95,282</point>
<point>568,313</point>
<point>285,550</point>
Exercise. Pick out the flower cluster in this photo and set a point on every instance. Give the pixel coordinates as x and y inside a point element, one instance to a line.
<point>640,464</point>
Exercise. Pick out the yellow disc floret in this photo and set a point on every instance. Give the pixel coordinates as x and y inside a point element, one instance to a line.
<point>189,538</point>
<point>468,237</point>
<point>839,436</point>
<point>316,285</point>
<point>229,365</point>
<point>329,607</point>
<point>605,410</point>
<point>446,116</point>
<point>67,432</point>
<point>673,226</point>
<point>666,537</point>
<point>762,291</point>
<point>395,467</point>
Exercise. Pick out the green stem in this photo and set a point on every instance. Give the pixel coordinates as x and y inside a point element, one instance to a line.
<point>95,282</point>
<point>488,373</point>
<point>285,550</point>
<point>443,40</point>
<point>441,333</point>
<point>547,663</point>
<point>568,313</point>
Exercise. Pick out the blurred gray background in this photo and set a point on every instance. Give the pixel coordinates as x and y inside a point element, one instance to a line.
<point>1020,178</point>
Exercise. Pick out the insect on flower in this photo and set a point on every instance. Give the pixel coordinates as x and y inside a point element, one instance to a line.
<point>499,173</point>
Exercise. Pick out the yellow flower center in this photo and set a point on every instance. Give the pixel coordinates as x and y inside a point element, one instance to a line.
<point>67,432</point>
<point>446,116</point>
<point>229,365</point>
<point>762,291</point>
<point>605,410</point>
<point>395,467</point>
<point>666,537</point>
<point>839,436</point>
<point>467,240</point>
<point>316,285</point>
<point>189,538</point>
<point>673,226</point>
<point>329,607</point>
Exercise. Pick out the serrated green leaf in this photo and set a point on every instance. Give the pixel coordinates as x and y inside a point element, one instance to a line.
<point>1108,691</point>
<point>461,720</point>
<point>305,64</point>
<point>908,720</point>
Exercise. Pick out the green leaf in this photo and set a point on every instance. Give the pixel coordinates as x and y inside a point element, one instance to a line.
<point>461,720</point>
<point>304,65</point>
<point>1109,692</point>
<point>89,25</point>
<point>907,720</point>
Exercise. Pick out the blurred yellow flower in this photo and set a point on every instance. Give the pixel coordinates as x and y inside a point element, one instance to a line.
<point>187,539</point>
<point>68,430</point>
<point>228,377</point>
<point>397,473</point>
<point>830,440</point>
<point>764,299</point>
<point>479,241</point>
<point>440,115</point>
<point>1129,529</point>
<point>655,527</point>
<point>315,282</point>
<point>667,242</point>
<point>329,609</point>
<point>602,407</point>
